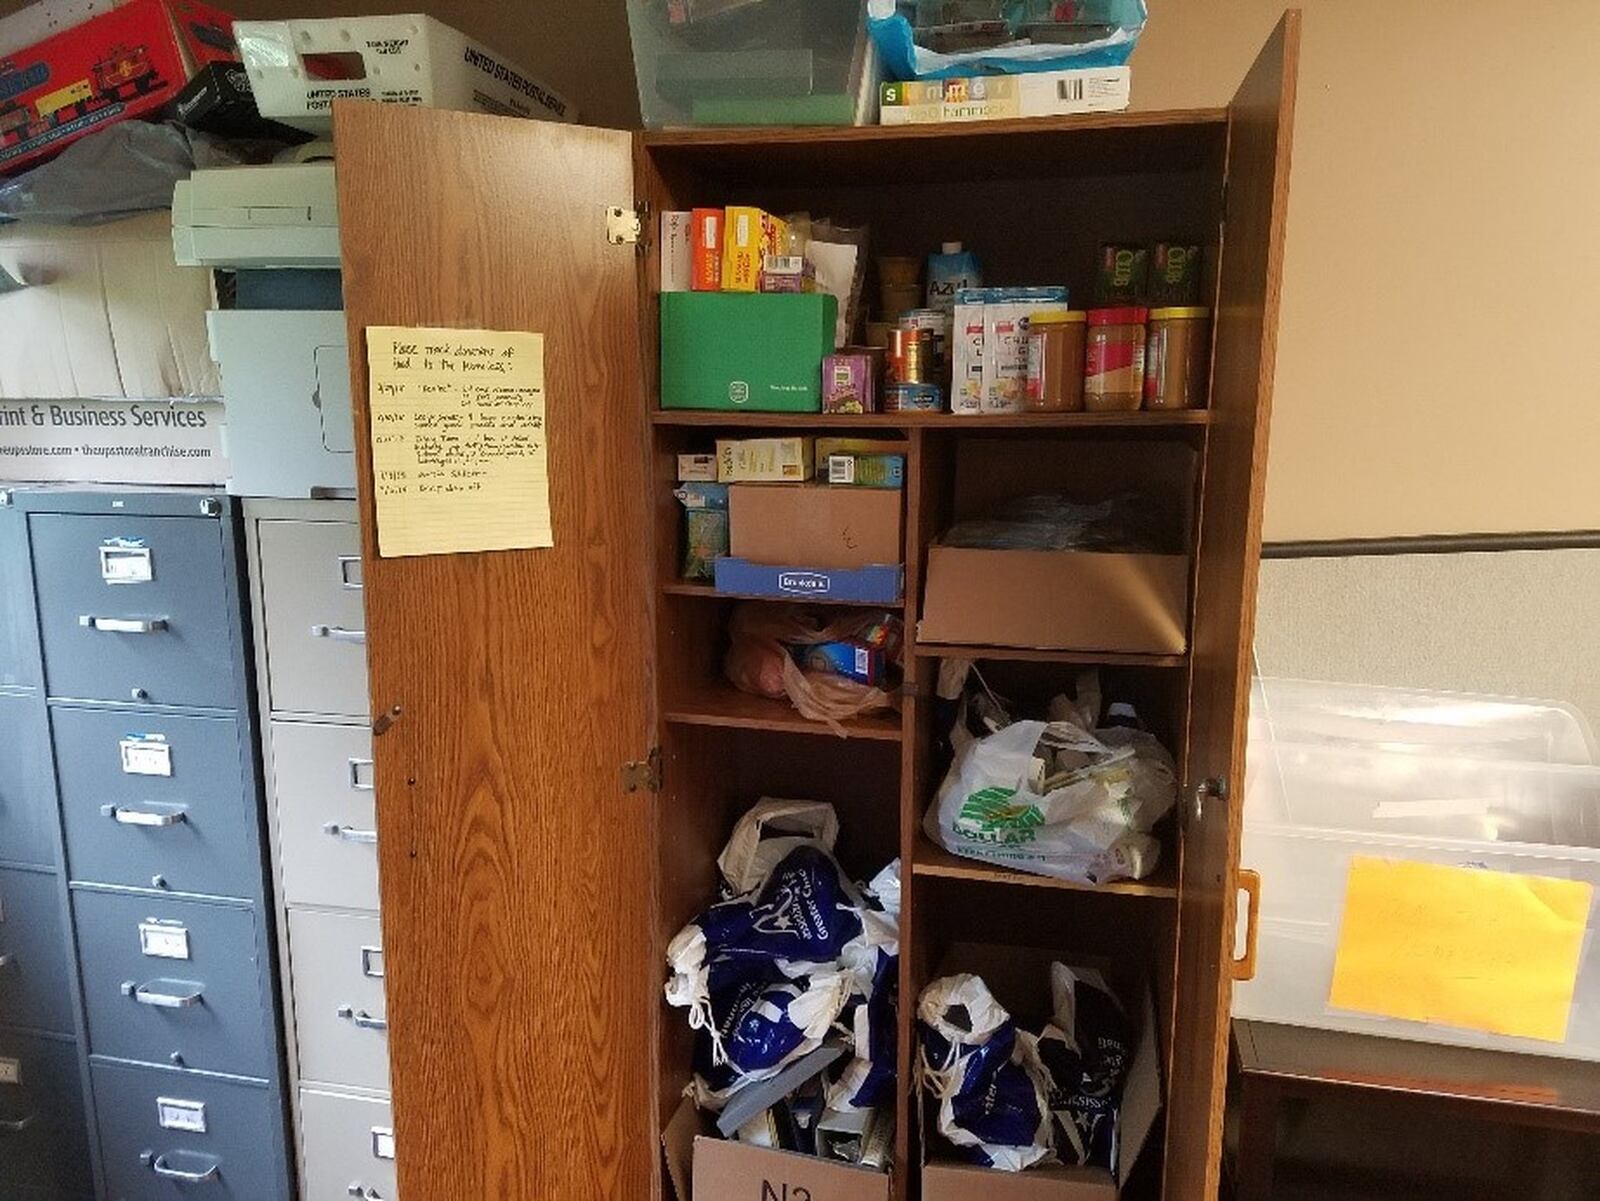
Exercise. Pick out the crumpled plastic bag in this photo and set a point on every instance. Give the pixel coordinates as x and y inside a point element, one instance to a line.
<point>1085,1052</point>
<point>984,1073</point>
<point>759,661</point>
<point>873,961</point>
<point>903,58</point>
<point>766,834</point>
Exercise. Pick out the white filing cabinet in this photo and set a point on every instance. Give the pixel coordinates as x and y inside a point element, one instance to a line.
<point>305,590</point>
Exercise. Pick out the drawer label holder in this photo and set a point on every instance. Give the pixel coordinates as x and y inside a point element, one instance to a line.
<point>163,940</point>
<point>126,561</point>
<point>146,755</point>
<point>174,1114</point>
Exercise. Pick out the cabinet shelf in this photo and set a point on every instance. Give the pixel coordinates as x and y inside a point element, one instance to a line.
<point>715,704</point>
<point>933,860</point>
<point>1169,419</point>
<point>1023,654</point>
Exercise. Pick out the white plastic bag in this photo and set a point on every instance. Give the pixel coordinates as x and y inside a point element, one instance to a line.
<point>768,832</point>
<point>1092,826</point>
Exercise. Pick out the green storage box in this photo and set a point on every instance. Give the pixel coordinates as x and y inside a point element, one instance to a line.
<point>745,350</point>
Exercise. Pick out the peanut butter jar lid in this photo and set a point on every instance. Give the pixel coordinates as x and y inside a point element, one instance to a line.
<point>1058,317</point>
<point>1117,316</point>
<point>1181,311</point>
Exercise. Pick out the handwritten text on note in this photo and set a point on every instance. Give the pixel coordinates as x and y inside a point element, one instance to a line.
<point>458,440</point>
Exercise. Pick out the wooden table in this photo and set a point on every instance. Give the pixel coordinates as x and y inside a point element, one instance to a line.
<point>1275,1062</point>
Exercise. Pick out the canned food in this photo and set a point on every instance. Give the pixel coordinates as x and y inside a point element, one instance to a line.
<point>913,398</point>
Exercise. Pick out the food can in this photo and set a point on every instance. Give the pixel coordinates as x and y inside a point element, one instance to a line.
<point>910,355</point>
<point>913,398</point>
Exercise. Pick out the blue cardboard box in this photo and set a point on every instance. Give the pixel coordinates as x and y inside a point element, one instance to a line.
<point>878,584</point>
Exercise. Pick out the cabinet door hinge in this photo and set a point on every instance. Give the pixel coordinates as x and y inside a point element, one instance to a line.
<point>627,226</point>
<point>643,773</point>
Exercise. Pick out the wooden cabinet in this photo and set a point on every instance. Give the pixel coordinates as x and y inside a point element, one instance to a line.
<point>531,875</point>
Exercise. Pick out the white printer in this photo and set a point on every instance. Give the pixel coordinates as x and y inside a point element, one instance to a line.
<point>274,215</point>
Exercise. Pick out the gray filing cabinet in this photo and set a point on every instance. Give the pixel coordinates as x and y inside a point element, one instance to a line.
<point>168,963</point>
<point>305,573</point>
<point>44,1139</point>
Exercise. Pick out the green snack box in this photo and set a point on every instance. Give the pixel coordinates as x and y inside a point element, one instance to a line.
<point>1174,274</point>
<point>1123,271</point>
<point>745,350</point>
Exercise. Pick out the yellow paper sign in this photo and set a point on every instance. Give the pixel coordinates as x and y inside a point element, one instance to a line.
<point>1457,946</point>
<point>458,440</point>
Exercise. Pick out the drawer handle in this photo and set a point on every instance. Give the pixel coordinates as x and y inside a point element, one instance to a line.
<point>357,1189</point>
<point>17,1125</point>
<point>361,775</point>
<point>146,995</point>
<point>350,833</point>
<point>123,625</point>
<point>360,1018</point>
<point>142,817</point>
<point>350,578</point>
<point>162,1168</point>
<point>339,634</point>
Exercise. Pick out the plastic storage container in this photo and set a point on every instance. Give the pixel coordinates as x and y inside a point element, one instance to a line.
<point>1340,770</point>
<point>753,62</point>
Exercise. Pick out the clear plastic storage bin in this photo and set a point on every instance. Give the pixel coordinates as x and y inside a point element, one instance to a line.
<point>1340,770</point>
<point>753,62</point>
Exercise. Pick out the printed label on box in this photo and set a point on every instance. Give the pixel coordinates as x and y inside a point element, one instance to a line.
<point>126,561</point>
<point>146,755</point>
<point>10,1071</point>
<point>173,1114</point>
<point>161,940</point>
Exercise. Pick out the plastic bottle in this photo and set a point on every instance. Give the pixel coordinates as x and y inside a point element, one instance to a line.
<point>948,272</point>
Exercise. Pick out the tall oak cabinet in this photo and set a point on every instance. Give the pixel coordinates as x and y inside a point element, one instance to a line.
<point>558,758</point>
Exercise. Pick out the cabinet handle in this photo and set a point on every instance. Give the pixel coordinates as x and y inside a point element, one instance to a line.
<point>1207,788</point>
<point>123,625</point>
<point>349,578</point>
<point>162,1168</point>
<point>17,1125</point>
<point>357,1189</point>
<point>360,1018</point>
<point>1249,884</point>
<point>141,817</point>
<point>339,634</point>
<point>349,833</point>
<point>361,770</point>
<point>146,995</point>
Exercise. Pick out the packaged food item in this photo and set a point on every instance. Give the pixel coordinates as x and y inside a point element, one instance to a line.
<point>1113,364</point>
<point>706,268</point>
<point>705,527</point>
<point>899,285</point>
<point>866,470</point>
<point>1174,274</point>
<point>1123,274</point>
<point>1054,381</point>
<point>763,460</point>
<point>1177,358</point>
<point>697,468</point>
<point>966,366</point>
<point>849,382</point>
<point>828,447</point>
<point>839,253</point>
<point>913,398</point>
<point>996,97</point>
<point>1005,342</point>
<point>748,236</point>
<point>787,273</point>
<point>744,350</point>
<point>949,271</point>
<point>702,494</point>
<point>851,659</point>
<point>935,358</point>
<point>911,355</point>
<point>677,252</point>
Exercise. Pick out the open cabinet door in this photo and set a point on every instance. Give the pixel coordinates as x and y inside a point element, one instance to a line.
<point>1259,124</point>
<point>511,687</point>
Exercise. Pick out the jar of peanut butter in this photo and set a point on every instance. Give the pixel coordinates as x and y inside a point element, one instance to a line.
<point>1055,361</point>
<point>1177,358</point>
<point>1113,364</point>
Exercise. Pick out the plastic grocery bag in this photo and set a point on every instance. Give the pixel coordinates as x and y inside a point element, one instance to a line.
<point>985,1075</point>
<point>904,58</point>
<point>1085,1052</point>
<point>1006,800</point>
<point>767,833</point>
<point>759,661</point>
<point>873,962</point>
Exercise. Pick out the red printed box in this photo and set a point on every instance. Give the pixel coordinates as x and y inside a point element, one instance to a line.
<point>129,62</point>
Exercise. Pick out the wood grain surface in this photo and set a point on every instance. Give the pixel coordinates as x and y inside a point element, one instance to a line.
<point>516,871</point>
<point>1260,122</point>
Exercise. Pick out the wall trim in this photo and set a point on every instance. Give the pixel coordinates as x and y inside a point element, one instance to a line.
<point>1433,544</point>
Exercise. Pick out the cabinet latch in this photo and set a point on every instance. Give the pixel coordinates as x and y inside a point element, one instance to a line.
<point>624,226</point>
<point>643,773</point>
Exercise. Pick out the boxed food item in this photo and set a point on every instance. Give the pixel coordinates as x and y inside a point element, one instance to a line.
<point>996,97</point>
<point>128,62</point>
<point>865,470</point>
<point>677,252</point>
<point>966,335</point>
<point>760,351</point>
<point>705,271</point>
<point>705,527</point>
<point>850,382</point>
<point>1174,274</point>
<point>812,525</point>
<point>748,236</point>
<point>299,68</point>
<point>763,460</point>
<point>787,273</point>
<point>1124,274</point>
<point>697,468</point>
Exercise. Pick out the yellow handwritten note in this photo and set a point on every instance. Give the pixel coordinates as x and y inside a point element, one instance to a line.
<point>1458,946</point>
<point>458,440</point>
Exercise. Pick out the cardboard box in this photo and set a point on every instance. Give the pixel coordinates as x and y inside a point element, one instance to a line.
<point>813,525</point>
<point>697,468</point>
<point>43,18</point>
<point>748,236</point>
<point>1064,600</point>
<point>705,273</point>
<point>113,441</point>
<point>763,460</point>
<point>995,97</point>
<point>879,584</point>
<point>299,68</point>
<point>272,215</point>
<point>129,62</point>
<point>105,314</point>
<point>218,100</point>
<point>723,1170</point>
<point>1019,978</point>
<point>759,351</point>
<point>677,252</point>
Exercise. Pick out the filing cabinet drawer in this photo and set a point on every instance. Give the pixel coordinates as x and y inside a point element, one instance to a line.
<point>184,1137</point>
<point>183,812</point>
<point>327,831</point>
<point>35,988</point>
<point>167,981</point>
<point>43,1140</point>
<point>27,791</point>
<point>346,1143</point>
<point>134,608</point>
<point>340,1018</point>
<point>315,624</point>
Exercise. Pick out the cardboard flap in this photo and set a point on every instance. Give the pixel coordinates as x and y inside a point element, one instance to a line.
<point>1141,1092</point>
<point>677,1146</point>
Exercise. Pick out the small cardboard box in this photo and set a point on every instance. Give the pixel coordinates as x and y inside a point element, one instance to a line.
<point>758,350</point>
<point>104,313</point>
<point>1135,603</point>
<point>722,1170</point>
<point>677,252</point>
<point>813,525</point>
<point>763,460</point>
<point>299,68</point>
<point>1019,978</point>
<point>129,62</point>
<point>879,584</point>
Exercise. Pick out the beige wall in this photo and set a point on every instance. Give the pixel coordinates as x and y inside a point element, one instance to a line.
<point>1439,351</point>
